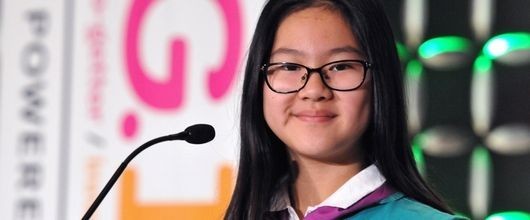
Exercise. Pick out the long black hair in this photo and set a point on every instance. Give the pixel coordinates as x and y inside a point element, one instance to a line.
<point>264,159</point>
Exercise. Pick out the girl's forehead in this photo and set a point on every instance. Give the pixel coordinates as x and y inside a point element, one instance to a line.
<point>314,31</point>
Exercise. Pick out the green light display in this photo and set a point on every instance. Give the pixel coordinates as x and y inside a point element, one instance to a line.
<point>441,45</point>
<point>482,65</point>
<point>481,157</point>
<point>414,69</point>
<point>506,43</point>
<point>402,52</point>
<point>513,215</point>
<point>418,153</point>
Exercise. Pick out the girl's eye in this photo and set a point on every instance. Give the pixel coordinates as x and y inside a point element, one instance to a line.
<point>290,67</point>
<point>340,67</point>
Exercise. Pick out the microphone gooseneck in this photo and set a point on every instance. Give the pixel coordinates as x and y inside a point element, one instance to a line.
<point>195,134</point>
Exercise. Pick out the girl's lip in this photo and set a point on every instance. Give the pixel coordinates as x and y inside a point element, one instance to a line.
<point>315,115</point>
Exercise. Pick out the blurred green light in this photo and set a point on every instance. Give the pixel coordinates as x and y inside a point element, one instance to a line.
<point>513,215</point>
<point>481,158</point>
<point>482,65</point>
<point>506,43</point>
<point>441,45</point>
<point>418,153</point>
<point>414,69</point>
<point>402,52</point>
<point>497,47</point>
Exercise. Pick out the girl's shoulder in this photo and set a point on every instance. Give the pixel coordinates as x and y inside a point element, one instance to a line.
<point>398,206</point>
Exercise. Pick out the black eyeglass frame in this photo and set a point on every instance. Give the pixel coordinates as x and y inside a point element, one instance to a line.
<point>366,65</point>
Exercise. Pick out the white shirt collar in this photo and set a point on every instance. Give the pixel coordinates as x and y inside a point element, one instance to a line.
<point>357,187</point>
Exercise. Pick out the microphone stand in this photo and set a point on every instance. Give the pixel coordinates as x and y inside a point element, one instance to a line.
<point>117,173</point>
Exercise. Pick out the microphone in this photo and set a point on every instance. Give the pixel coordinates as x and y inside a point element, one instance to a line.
<point>195,134</point>
<point>199,134</point>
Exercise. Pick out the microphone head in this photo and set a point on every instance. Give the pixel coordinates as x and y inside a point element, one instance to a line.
<point>199,134</point>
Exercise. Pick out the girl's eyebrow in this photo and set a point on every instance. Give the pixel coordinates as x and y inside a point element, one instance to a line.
<point>288,51</point>
<point>337,50</point>
<point>346,49</point>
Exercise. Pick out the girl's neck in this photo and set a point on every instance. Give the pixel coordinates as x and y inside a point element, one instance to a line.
<point>317,180</point>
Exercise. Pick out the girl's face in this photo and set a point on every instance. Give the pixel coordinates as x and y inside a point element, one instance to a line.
<point>318,123</point>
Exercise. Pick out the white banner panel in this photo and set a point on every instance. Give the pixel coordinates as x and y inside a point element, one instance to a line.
<point>83,83</point>
<point>31,109</point>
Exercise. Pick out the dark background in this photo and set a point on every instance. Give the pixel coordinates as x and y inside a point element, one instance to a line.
<point>469,100</point>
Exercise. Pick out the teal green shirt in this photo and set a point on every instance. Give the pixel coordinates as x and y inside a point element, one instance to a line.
<point>397,206</point>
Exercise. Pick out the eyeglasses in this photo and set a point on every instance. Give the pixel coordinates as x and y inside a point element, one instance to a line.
<point>342,75</point>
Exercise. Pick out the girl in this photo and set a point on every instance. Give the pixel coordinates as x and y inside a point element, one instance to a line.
<point>323,127</point>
